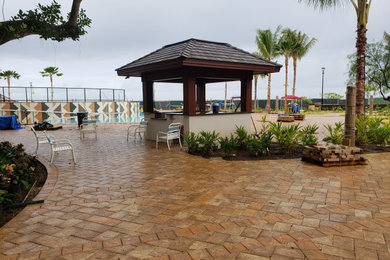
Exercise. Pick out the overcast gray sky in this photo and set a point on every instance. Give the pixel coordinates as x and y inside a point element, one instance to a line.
<point>123,31</point>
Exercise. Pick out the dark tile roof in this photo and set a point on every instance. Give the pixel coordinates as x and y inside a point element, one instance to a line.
<point>200,50</point>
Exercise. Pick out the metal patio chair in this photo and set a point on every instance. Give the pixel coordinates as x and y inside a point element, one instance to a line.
<point>172,134</point>
<point>59,145</point>
<point>88,126</point>
<point>40,139</point>
<point>139,129</point>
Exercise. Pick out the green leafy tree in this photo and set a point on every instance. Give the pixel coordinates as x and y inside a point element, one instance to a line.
<point>332,95</point>
<point>8,74</point>
<point>267,43</point>
<point>46,21</point>
<point>50,72</point>
<point>362,8</point>
<point>286,47</point>
<point>377,67</point>
<point>302,46</point>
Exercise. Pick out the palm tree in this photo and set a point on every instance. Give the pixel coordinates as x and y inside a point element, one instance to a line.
<point>8,74</point>
<point>302,46</point>
<point>362,8</point>
<point>256,78</point>
<point>286,46</point>
<point>50,72</point>
<point>267,45</point>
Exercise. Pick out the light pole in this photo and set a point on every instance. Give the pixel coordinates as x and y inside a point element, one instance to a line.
<point>322,93</point>
<point>31,91</point>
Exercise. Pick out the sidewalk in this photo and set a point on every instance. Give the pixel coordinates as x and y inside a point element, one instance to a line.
<point>127,200</point>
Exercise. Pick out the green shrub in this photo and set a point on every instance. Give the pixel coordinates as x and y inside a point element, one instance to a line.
<point>243,137</point>
<point>307,135</point>
<point>192,142</point>
<point>366,128</point>
<point>16,168</point>
<point>336,134</point>
<point>286,136</point>
<point>382,135</point>
<point>207,142</point>
<point>260,143</point>
<point>362,136</point>
<point>228,145</point>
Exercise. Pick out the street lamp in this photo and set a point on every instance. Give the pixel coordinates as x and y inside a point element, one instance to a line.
<point>322,93</point>
<point>31,91</point>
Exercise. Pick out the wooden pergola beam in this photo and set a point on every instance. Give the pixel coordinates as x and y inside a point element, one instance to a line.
<point>246,93</point>
<point>201,95</point>
<point>147,95</point>
<point>189,95</point>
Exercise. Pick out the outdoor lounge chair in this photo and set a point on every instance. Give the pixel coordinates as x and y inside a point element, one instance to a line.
<point>88,126</point>
<point>40,138</point>
<point>59,145</point>
<point>172,134</point>
<point>141,128</point>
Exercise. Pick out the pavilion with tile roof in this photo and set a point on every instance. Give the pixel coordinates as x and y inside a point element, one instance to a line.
<point>194,63</point>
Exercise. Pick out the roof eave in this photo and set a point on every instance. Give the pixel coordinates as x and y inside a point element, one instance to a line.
<point>256,68</point>
<point>137,71</point>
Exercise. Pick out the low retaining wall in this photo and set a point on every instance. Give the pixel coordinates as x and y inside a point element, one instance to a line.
<point>54,111</point>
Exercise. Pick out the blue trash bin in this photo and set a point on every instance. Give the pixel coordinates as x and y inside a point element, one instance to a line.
<point>215,108</point>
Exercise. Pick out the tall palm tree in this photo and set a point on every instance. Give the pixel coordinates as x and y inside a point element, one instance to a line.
<point>362,8</point>
<point>8,74</point>
<point>256,80</point>
<point>302,46</point>
<point>286,46</point>
<point>50,72</point>
<point>267,45</point>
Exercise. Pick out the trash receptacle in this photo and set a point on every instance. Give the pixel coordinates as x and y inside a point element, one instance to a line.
<point>80,117</point>
<point>215,108</point>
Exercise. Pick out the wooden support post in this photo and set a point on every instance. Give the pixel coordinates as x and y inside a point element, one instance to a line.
<point>350,113</point>
<point>246,93</point>
<point>147,92</point>
<point>225,96</point>
<point>277,104</point>
<point>201,95</point>
<point>189,100</point>
<point>371,105</point>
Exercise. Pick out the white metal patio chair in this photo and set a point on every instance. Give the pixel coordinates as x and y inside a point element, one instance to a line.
<point>88,126</point>
<point>59,145</point>
<point>40,139</point>
<point>139,129</point>
<point>172,134</point>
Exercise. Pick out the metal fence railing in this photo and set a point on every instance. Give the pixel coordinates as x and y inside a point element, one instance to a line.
<point>60,94</point>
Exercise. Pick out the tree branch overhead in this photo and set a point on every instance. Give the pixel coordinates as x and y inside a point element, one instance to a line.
<point>46,21</point>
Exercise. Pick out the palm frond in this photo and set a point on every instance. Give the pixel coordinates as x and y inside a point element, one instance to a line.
<point>324,4</point>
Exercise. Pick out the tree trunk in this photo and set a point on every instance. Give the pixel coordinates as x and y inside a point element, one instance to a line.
<point>9,88</point>
<point>360,68</point>
<point>285,86</point>
<point>295,74</point>
<point>268,106</point>
<point>52,90</point>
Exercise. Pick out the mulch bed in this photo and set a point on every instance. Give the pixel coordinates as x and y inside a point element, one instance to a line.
<point>7,214</point>
<point>374,148</point>
<point>276,153</point>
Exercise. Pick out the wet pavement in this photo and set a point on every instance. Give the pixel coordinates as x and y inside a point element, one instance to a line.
<point>127,200</point>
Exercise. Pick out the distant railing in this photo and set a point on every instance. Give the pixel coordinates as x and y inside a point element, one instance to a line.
<point>72,118</point>
<point>43,94</point>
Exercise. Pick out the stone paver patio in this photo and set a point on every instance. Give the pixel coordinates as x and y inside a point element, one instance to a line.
<point>127,200</point>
